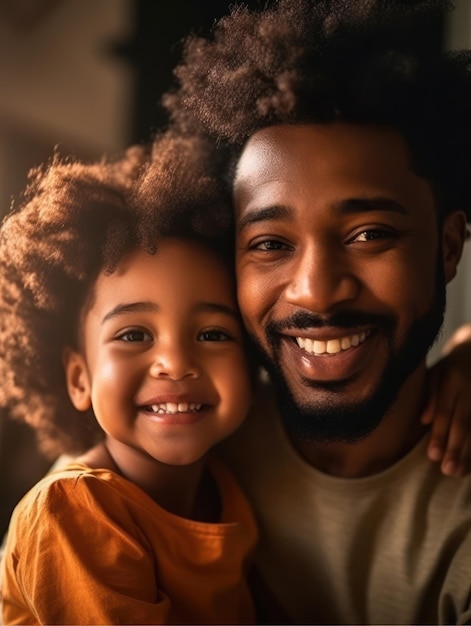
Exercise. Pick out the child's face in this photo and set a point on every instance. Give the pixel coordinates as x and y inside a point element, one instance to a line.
<point>163,361</point>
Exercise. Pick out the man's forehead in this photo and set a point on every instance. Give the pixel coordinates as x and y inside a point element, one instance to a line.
<point>340,165</point>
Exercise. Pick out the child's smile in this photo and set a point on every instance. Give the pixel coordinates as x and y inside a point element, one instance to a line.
<point>175,408</point>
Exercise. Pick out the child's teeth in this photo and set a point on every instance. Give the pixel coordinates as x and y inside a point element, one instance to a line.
<point>172,407</point>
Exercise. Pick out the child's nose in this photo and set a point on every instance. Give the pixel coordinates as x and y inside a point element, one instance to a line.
<point>175,362</point>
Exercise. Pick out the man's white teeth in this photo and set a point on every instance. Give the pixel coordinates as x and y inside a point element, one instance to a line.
<point>173,407</point>
<point>331,346</point>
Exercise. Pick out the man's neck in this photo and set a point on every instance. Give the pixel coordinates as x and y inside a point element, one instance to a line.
<point>397,434</point>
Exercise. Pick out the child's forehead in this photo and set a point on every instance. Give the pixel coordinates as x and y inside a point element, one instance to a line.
<point>178,268</point>
<point>173,251</point>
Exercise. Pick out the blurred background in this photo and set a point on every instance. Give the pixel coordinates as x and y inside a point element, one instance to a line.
<point>87,76</point>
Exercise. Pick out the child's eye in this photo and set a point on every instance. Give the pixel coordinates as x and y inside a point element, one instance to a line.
<point>214,334</point>
<point>134,335</point>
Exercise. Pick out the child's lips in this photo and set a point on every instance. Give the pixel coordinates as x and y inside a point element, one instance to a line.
<point>176,395</point>
<point>182,413</point>
<point>175,403</point>
<point>172,408</point>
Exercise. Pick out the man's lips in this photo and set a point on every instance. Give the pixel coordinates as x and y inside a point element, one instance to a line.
<point>325,355</point>
<point>335,345</point>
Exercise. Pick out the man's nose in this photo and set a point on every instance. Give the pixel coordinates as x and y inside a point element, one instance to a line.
<point>323,278</point>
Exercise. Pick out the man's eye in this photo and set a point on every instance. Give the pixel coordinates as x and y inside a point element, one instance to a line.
<point>269,245</point>
<point>372,234</point>
<point>134,335</point>
<point>214,335</point>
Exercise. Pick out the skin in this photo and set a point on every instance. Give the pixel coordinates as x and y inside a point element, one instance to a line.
<point>332,219</point>
<point>447,413</point>
<point>162,330</point>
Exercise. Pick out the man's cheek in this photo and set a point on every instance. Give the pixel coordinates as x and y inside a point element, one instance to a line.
<point>251,314</point>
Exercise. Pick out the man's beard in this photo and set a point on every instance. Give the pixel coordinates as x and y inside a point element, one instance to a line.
<point>333,421</point>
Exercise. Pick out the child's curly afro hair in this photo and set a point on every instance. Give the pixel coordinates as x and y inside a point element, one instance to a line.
<point>75,220</point>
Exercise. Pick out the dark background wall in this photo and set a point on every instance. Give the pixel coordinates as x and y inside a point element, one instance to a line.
<point>155,49</point>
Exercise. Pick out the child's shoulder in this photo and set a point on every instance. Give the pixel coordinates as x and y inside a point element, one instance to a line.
<point>75,489</point>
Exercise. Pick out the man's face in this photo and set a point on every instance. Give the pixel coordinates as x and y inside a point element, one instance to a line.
<point>341,279</point>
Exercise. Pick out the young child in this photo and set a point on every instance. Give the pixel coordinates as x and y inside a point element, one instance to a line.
<point>121,340</point>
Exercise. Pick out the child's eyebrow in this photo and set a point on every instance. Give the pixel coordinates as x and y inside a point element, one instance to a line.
<point>152,307</point>
<point>216,307</point>
<point>131,307</point>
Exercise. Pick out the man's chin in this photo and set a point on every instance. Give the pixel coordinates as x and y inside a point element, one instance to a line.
<point>329,411</point>
<point>326,419</point>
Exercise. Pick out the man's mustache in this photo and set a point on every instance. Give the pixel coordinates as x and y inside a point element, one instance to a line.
<point>302,320</point>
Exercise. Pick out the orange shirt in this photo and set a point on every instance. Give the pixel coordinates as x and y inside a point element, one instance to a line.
<point>86,546</point>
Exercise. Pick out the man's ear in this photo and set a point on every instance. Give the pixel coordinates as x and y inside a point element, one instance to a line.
<point>78,384</point>
<point>454,234</point>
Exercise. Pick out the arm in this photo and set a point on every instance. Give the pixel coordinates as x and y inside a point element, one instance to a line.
<point>449,408</point>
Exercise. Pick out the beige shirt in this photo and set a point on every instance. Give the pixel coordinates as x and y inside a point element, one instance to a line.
<point>393,548</point>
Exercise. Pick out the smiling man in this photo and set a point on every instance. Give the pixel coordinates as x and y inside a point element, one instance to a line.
<point>341,280</point>
<point>347,143</point>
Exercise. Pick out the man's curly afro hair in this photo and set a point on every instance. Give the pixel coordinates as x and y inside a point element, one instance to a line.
<point>75,220</point>
<point>322,61</point>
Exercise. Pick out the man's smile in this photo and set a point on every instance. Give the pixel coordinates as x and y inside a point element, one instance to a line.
<point>336,357</point>
<point>331,346</point>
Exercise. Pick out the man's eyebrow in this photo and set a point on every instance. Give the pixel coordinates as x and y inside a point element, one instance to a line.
<point>349,205</point>
<point>131,307</point>
<point>362,205</point>
<point>275,212</point>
